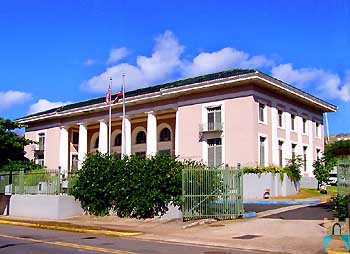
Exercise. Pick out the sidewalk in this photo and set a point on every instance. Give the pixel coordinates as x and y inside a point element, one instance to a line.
<point>260,233</point>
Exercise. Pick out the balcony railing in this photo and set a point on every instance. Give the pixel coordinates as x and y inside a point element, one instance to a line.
<point>211,127</point>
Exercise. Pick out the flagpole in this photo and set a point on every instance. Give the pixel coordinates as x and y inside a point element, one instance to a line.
<point>110,117</point>
<point>124,133</point>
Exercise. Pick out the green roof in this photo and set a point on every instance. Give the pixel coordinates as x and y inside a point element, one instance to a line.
<point>150,89</point>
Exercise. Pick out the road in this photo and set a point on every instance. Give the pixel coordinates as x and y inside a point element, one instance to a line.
<point>24,240</point>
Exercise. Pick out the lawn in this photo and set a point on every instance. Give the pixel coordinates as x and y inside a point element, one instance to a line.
<point>312,193</point>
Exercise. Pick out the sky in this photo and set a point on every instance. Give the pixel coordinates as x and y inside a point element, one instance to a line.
<point>57,52</point>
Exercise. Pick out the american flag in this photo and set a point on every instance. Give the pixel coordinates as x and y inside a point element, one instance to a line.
<point>119,96</point>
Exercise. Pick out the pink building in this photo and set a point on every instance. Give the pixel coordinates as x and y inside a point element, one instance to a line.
<point>225,118</point>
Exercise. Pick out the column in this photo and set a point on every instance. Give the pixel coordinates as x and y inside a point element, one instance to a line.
<point>126,137</point>
<point>177,133</point>
<point>103,137</point>
<point>288,144</point>
<point>151,133</point>
<point>274,140</point>
<point>64,144</point>
<point>310,152</point>
<point>82,148</point>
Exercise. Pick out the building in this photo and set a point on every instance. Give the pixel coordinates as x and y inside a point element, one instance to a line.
<point>225,118</point>
<point>338,137</point>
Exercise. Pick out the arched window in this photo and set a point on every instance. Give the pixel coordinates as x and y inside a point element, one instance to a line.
<point>165,135</point>
<point>141,137</point>
<point>96,143</point>
<point>118,140</point>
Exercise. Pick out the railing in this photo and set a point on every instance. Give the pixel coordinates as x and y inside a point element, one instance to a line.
<point>31,182</point>
<point>212,192</point>
<point>211,127</point>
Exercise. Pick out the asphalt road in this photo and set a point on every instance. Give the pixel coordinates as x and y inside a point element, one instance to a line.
<point>24,240</point>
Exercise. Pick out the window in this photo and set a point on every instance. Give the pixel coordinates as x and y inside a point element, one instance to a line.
<point>214,118</point>
<point>165,135</point>
<point>118,140</point>
<point>280,118</point>
<point>262,112</point>
<point>293,122</point>
<point>140,154</point>
<point>75,138</point>
<point>304,125</point>
<point>318,153</point>
<point>214,152</point>
<point>304,156</point>
<point>280,153</point>
<point>318,131</point>
<point>96,143</point>
<point>74,165</point>
<point>262,152</point>
<point>40,159</point>
<point>41,141</point>
<point>141,138</point>
<point>165,152</point>
<point>294,146</point>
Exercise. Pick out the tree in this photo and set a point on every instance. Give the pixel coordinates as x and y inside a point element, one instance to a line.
<point>11,144</point>
<point>321,171</point>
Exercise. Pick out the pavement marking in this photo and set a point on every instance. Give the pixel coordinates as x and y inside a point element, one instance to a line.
<point>70,229</point>
<point>71,245</point>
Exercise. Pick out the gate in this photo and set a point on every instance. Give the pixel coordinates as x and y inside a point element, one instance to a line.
<point>212,193</point>
<point>343,175</point>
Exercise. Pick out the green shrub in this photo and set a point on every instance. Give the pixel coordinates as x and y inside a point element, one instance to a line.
<point>340,206</point>
<point>130,187</point>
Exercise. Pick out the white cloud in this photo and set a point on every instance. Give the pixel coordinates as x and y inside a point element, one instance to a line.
<point>326,84</point>
<point>89,62</point>
<point>117,54</point>
<point>43,104</point>
<point>11,98</point>
<point>163,62</point>
<point>223,59</point>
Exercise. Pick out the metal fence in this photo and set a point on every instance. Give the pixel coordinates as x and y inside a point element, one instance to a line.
<point>30,182</point>
<point>212,193</point>
<point>343,174</point>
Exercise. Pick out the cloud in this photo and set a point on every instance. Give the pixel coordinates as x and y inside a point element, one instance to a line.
<point>89,62</point>
<point>11,98</point>
<point>163,62</point>
<point>223,59</point>
<point>43,105</point>
<point>326,84</point>
<point>117,54</point>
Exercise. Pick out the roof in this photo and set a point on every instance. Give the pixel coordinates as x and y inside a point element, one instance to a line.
<point>174,84</point>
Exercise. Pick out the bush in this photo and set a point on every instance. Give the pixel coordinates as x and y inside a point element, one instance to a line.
<point>340,206</point>
<point>131,187</point>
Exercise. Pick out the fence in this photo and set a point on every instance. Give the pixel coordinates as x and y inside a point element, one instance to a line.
<point>343,175</point>
<point>30,182</point>
<point>212,193</point>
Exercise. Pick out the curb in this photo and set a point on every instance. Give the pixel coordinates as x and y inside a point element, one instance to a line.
<point>281,202</point>
<point>75,230</point>
<point>249,215</point>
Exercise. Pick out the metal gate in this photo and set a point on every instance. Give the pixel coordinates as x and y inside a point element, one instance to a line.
<point>212,193</point>
<point>343,174</point>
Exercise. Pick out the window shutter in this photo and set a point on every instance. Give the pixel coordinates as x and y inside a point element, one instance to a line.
<point>218,156</point>
<point>211,156</point>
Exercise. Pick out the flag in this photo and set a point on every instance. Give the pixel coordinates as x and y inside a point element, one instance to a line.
<point>109,95</point>
<point>119,95</point>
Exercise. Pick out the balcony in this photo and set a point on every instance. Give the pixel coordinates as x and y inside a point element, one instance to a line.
<point>211,127</point>
<point>38,147</point>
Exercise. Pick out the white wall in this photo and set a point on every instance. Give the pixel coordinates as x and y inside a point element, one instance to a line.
<point>254,186</point>
<point>44,206</point>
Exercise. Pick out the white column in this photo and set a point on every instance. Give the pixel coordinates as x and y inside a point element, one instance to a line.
<point>103,137</point>
<point>82,149</point>
<point>64,150</point>
<point>310,152</point>
<point>177,133</point>
<point>287,149</point>
<point>126,137</point>
<point>299,150</point>
<point>274,141</point>
<point>151,133</point>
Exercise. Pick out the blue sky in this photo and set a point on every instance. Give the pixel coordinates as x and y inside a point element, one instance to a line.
<point>55,52</point>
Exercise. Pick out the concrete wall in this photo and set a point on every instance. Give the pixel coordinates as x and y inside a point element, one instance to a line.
<point>254,186</point>
<point>308,182</point>
<point>44,206</point>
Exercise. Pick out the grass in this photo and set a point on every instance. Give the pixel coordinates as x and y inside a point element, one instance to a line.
<point>312,193</point>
